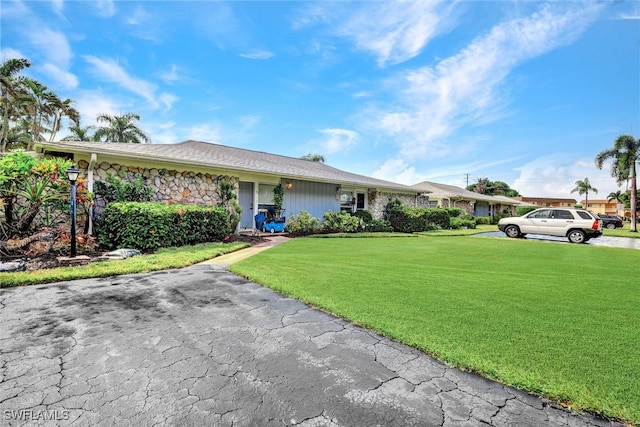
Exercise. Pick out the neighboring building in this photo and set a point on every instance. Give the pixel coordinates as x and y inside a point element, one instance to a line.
<point>443,195</point>
<point>547,202</point>
<point>189,173</point>
<point>604,206</point>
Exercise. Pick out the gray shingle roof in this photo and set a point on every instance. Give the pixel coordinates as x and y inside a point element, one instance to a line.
<point>197,153</point>
<point>451,191</point>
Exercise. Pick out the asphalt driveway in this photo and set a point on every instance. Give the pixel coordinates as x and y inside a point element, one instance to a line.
<point>199,346</point>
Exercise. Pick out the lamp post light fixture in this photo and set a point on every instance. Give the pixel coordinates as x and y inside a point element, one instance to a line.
<point>72,174</point>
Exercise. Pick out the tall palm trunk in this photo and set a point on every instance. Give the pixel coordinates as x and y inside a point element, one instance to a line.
<point>25,222</point>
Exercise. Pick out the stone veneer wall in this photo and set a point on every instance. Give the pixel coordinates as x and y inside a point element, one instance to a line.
<point>378,200</point>
<point>171,186</point>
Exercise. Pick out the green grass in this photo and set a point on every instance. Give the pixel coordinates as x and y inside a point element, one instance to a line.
<point>623,232</point>
<point>558,320</point>
<point>161,260</point>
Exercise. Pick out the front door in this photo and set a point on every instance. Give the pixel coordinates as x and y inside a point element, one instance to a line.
<point>245,200</point>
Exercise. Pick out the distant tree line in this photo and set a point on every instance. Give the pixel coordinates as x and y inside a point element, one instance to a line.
<point>492,188</point>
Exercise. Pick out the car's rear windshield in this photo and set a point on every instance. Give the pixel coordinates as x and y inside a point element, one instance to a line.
<point>584,215</point>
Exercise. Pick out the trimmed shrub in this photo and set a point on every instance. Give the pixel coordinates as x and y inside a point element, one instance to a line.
<point>462,222</point>
<point>405,219</point>
<point>364,215</point>
<point>149,226</point>
<point>453,212</point>
<point>439,218</point>
<point>303,224</point>
<point>339,222</point>
<point>377,226</point>
<point>523,210</point>
<point>484,220</point>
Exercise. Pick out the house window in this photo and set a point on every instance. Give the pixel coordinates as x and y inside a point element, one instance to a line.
<point>265,195</point>
<point>346,200</point>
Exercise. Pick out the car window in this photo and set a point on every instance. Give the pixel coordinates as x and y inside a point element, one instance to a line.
<point>584,215</point>
<point>545,213</point>
<point>561,214</point>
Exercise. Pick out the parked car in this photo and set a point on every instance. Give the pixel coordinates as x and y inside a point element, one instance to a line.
<point>578,225</point>
<point>611,221</point>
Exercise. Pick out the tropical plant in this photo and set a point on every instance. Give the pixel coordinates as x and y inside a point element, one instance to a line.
<point>492,188</point>
<point>116,189</point>
<point>624,155</point>
<point>80,133</point>
<point>229,200</point>
<point>13,168</point>
<point>120,129</point>
<point>30,110</point>
<point>278,198</point>
<point>9,88</point>
<point>30,186</point>
<point>583,187</point>
<point>314,157</point>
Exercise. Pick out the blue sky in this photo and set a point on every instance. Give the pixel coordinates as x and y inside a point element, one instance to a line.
<point>525,92</point>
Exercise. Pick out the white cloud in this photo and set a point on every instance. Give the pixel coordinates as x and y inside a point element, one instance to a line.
<point>167,100</point>
<point>8,53</point>
<point>65,78</point>
<point>171,76</point>
<point>555,175</point>
<point>109,70</point>
<point>338,140</point>
<point>53,44</point>
<point>398,170</point>
<point>466,88</point>
<point>92,103</point>
<point>105,8</point>
<point>257,54</point>
<point>397,31</point>
<point>205,132</point>
<point>58,6</point>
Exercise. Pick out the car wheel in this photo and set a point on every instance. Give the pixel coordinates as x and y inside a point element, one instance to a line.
<point>610,226</point>
<point>512,231</point>
<point>577,236</point>
<point>273,230</point>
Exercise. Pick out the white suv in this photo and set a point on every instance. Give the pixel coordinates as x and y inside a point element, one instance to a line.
<point>578,225</point>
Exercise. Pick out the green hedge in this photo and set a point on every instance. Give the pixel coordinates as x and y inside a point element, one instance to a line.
<point>148,226</point>
<point>339,222</point>
<point>407,219</point>
<point>523,210</point>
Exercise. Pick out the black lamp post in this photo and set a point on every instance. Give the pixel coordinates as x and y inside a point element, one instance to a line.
<point>72,174</point>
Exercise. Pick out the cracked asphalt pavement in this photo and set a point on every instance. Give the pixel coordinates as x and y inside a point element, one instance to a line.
<point>201,346</point>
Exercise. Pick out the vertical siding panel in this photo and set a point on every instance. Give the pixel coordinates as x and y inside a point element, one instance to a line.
<point>313,197</point>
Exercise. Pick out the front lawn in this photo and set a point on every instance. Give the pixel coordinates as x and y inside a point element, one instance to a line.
<point>162,259</point>
<point>555,319</point>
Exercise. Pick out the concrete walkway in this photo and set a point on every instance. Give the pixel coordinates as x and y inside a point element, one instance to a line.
<point>200,346</point>
<point>228,259</point>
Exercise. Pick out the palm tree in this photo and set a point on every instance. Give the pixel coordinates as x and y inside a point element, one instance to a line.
<point>314,157</point>
<point>625,154</point>
<point>617,196</point>
<point>63,109</point>
<point>8,87</point>
<point>583,187</point>
<point>79,133</point>
<point>121,129</point>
